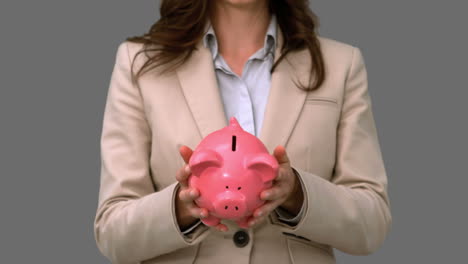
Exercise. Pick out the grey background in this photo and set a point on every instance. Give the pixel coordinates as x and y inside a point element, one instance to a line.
<point>56,59</point>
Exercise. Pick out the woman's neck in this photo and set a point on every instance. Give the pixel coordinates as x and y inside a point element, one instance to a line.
<point>240,29</point>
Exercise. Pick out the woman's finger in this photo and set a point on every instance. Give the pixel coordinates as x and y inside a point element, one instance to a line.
<point>188,195</point>
<point>267,208</point>
<point>198,212</point>
<point>204,212</point>
<point>222,227</point>
<point>184,196</point>
<point>274,193</point>
<point>255,220</point>
<point>284,174</point>
<point>281,155</point>
<point>182,175</point>
<point>279,176</point>
<point>186,153</point>
<point>262,210</point>
<point>193,209</point>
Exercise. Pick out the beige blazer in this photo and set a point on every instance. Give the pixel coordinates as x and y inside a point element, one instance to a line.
<point>329,134</point>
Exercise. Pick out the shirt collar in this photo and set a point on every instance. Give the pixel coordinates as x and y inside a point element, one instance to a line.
<point>210,41</point>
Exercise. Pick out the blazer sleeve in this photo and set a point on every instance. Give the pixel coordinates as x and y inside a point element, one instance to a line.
<point>133,221</point>
<point>352,211</point>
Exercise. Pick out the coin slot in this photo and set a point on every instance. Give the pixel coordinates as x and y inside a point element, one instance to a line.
<point>234,139</point>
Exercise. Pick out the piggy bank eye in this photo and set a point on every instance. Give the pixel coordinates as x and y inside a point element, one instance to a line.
<point>227,187</point>
<point>238,188</point>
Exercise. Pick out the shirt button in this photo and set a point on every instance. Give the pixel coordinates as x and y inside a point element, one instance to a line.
<point>241,238</point>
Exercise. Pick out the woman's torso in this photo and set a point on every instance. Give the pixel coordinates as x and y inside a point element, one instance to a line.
<point>184,106</point>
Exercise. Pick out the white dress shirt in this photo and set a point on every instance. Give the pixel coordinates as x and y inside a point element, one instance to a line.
<point>245,96</point>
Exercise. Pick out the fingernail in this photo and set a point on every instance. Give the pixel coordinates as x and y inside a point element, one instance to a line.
<point>193,193</point>
<point>260,213</point>
<point>187,169</point>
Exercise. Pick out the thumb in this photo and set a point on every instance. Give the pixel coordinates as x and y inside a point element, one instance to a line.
<point>281,155</point>
<point>186,153</point>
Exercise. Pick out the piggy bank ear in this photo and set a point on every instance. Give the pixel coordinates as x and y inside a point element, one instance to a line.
<point>204,159</point>
<point>263,163</point>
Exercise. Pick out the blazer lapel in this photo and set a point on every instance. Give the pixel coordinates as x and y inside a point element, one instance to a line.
<point>285,100</point>
<point>199,85</point>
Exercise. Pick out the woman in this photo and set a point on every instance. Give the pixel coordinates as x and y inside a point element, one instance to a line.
<point>303,95</point>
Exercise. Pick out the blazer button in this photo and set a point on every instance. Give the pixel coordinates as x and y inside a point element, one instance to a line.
<point>241,238</point>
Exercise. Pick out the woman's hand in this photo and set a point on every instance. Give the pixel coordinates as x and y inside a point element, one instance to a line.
<point>285,192</point>
<point>187,211</point>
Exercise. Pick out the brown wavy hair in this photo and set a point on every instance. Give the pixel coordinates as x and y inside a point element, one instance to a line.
<point>173,38</point>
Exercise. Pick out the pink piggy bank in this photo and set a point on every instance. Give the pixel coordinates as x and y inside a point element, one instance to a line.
<point>230,168</point>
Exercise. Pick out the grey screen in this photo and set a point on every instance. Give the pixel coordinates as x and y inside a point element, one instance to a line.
<point>56,58</point>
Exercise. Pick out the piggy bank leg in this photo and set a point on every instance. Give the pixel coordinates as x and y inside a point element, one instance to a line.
<point>210,221</point>
<point>242,223</point>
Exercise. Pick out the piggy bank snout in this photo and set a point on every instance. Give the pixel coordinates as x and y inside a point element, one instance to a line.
<point>230,205</point>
